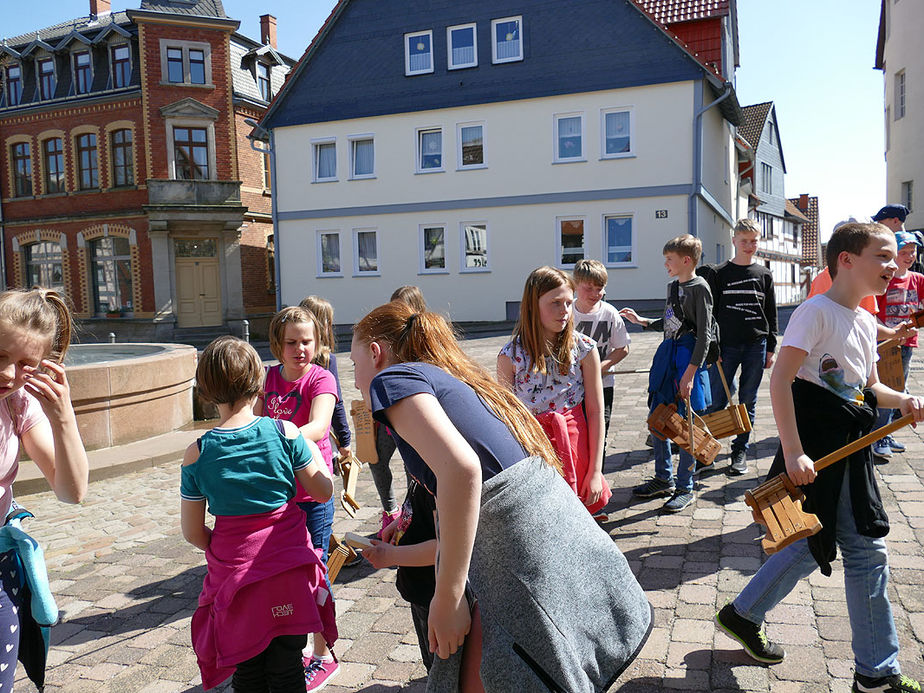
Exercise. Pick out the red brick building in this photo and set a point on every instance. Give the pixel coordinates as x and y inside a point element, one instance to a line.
<point>127,180</point>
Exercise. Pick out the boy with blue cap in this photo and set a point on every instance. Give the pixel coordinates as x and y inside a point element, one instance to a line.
<point>904,297</point>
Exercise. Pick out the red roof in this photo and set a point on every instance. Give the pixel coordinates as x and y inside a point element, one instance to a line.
<point>811,248</point>
<point>673,11</point>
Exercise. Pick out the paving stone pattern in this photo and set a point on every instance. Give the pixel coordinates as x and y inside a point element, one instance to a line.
<point>127,583</point>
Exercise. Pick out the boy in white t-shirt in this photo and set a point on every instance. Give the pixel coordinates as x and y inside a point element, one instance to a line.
<point>824,390</point>
<point>600,321</point>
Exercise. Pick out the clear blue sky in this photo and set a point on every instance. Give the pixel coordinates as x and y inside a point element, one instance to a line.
<point>813,58</point>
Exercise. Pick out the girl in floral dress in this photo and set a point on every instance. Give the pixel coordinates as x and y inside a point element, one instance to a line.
<point>555,372</point>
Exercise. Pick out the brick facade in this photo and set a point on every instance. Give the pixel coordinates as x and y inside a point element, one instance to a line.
<point>150,108</point>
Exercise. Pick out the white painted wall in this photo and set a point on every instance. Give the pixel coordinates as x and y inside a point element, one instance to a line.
<point>518,152</point>
<point>519,157</point>
<point>520,238</point>
<point>905,153</point>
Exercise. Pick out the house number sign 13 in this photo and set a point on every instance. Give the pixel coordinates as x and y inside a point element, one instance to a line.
<point>660,214</point>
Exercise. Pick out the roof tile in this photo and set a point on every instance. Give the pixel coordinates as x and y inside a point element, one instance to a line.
<point>752,125</point>
<point>674,11</point>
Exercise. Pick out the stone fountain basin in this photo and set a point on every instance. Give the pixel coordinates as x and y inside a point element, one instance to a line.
<point>126,392</point>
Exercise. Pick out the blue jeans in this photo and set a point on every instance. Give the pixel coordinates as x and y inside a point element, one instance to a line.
<point>866,575</point>
<point>887,415</point>
<point>664,464</point>
<point>751,358</point>
<point>320,523</point>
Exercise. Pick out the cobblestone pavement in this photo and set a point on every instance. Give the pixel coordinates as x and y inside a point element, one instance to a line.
<point>127,583</point>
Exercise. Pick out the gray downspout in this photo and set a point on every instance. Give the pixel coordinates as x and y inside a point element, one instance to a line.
<point>276,239</point>
<point>271,150</point>
<point>698,147</point>
<point>2,251</point>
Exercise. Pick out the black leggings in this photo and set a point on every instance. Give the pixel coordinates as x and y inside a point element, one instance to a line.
<point>278,669</point>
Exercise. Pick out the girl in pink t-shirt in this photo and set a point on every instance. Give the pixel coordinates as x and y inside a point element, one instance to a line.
<point>36,411</point>
<point>304,393</point>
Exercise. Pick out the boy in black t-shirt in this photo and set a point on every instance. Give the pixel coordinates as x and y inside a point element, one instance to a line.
<point>745,308</point>
<point>409,542</point>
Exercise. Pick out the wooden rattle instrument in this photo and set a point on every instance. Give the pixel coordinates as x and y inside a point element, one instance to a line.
<point>349,472</point>
<point>338,554</point>
<point>356,541</point>
<point>731,421</point>
<point>777,503</point>
<point>665,423</point>
<point>364,431</point>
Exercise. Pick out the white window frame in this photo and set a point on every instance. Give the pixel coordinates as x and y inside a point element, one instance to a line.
<point>377,272</point>
<point>604,112</point>
<point>901,94</point>
<point>316,144</point>
<point>186,46</point>
<point>494,22</point>
<point>475,123</point>
<point>571,159</point>
<point>421,249</point>
<point>449,31</point>
<point>417,164</point>
<point>766,178</point>
<point>907,193</point>
<point>632,247</point>
<point>487,248</point>
<point>321,274</point>
<point>353,139</point>
<point>558,245</point>
<point>407,53</point>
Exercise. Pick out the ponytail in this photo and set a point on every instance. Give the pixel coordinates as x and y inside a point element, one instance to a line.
<point>426,337</point>
<point>43,312</point>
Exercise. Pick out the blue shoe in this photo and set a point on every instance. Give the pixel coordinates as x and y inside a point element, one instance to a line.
<point>882,449</point>
<point>894,444</point>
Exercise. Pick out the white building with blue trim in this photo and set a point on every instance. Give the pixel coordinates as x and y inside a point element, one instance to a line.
<point>458,146</point>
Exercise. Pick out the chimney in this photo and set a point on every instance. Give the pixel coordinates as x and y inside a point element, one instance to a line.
<point>267,29</point>
<point>803,202</point>
<point>100,7</point>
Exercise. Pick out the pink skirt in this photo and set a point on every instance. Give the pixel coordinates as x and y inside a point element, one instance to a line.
<point>567,431</point>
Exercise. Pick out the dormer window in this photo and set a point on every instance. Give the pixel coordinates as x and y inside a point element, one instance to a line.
<point>264,84</point>
<point>121,66</point>
<point>13,85</point>
<point>83,75</point>
<point>47,82</point>
<point>418,53</point>
<point>507,39</point>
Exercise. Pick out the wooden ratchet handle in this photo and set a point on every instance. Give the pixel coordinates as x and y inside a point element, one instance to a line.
<point>861,443</point>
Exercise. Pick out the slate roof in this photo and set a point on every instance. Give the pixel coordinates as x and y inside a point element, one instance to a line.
<point>752,124</point>
<point>242,76</point>
<point>52,34</point>
<point>674,11</point>
<point>348,103</point>
<point>193,8</point>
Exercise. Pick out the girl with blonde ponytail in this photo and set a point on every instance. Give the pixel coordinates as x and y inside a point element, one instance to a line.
<point>35,412</point>
<point>509,531</point>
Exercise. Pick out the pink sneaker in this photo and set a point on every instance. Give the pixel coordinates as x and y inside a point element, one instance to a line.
<point>319,672</point>
<point>387,519</point>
